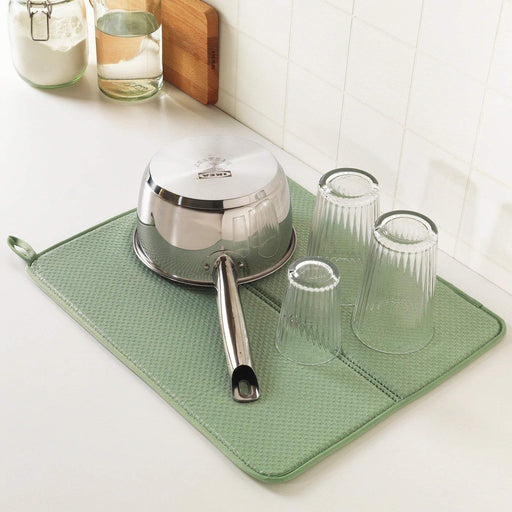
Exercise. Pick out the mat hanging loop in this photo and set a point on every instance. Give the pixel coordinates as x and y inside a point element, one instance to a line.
<point>22,249</point>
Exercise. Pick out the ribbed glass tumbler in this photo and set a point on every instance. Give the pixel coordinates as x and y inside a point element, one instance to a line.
<point>309,328</point>
<point>347,205</point>
<point>394,310</point>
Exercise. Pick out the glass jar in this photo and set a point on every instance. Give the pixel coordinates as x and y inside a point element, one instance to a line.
<point>48,41</point>
<point>128,47</point>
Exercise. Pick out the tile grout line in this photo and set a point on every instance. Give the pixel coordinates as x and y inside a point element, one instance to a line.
<point>307,143</point>
<point>235,91</point>
<point>288,60</point>
<point>337,7</point>
<point>478,130</point>
<point>407,109</point>
<point>374,109</point>
<point>340,124</point>
<point>264,116</point>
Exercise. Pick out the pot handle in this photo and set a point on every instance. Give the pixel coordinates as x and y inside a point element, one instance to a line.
<point>244,384</point>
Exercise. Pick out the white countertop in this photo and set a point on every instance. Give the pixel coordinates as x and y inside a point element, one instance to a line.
<point>80,432</point>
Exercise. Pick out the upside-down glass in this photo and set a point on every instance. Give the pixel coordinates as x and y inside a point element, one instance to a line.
<point>347,205</point>
<point>128,47</point>
<point>309,328</point>
<point>394,310</point>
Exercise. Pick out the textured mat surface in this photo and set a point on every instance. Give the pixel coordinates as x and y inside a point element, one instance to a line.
<point>304,413</point>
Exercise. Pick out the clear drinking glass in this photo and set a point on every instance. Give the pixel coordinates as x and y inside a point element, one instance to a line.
<point>128,47</point>
<point>309,328</point>
<point>347,205</point>
<point>394,310</point>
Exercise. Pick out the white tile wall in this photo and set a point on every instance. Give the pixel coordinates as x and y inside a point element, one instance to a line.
<point>228,48</point>
<point>261,79</point>
<point>226,102</point>
<point>485,241</point>
<point>267,21</point>
<point>494,147</point>
<point>227,11</point>
<point>259,123</point>
<point>370,141</point>
<point>400,18</point>
<point>379,70</point>
<point>501,70</point>
<point>313,110</point>
<point>461,33</point>
<point>319,39</point>
<point>346,5</point>
<point>445,106</point>
<point>307,153</point>
<point>419,92</point>
<point>433,182</point>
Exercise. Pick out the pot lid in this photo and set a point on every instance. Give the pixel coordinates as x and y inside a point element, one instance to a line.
<point>213,168</point>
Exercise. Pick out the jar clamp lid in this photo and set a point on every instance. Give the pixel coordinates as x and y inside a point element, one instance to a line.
<point>36,9</point>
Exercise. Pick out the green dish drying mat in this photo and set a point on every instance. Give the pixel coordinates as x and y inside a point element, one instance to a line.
<point>169,335</point>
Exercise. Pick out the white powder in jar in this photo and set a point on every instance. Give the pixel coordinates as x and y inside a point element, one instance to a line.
<point>57,61</point>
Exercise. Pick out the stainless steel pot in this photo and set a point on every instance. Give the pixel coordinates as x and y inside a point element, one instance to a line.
<point>215,211</point>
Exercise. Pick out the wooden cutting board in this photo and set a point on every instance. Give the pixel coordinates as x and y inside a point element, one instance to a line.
<point>190,47</point>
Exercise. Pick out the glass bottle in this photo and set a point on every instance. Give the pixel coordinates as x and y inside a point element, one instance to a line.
<point>128,47</point>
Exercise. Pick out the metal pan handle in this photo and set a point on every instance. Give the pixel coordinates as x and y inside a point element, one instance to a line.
<point>244,383</point>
